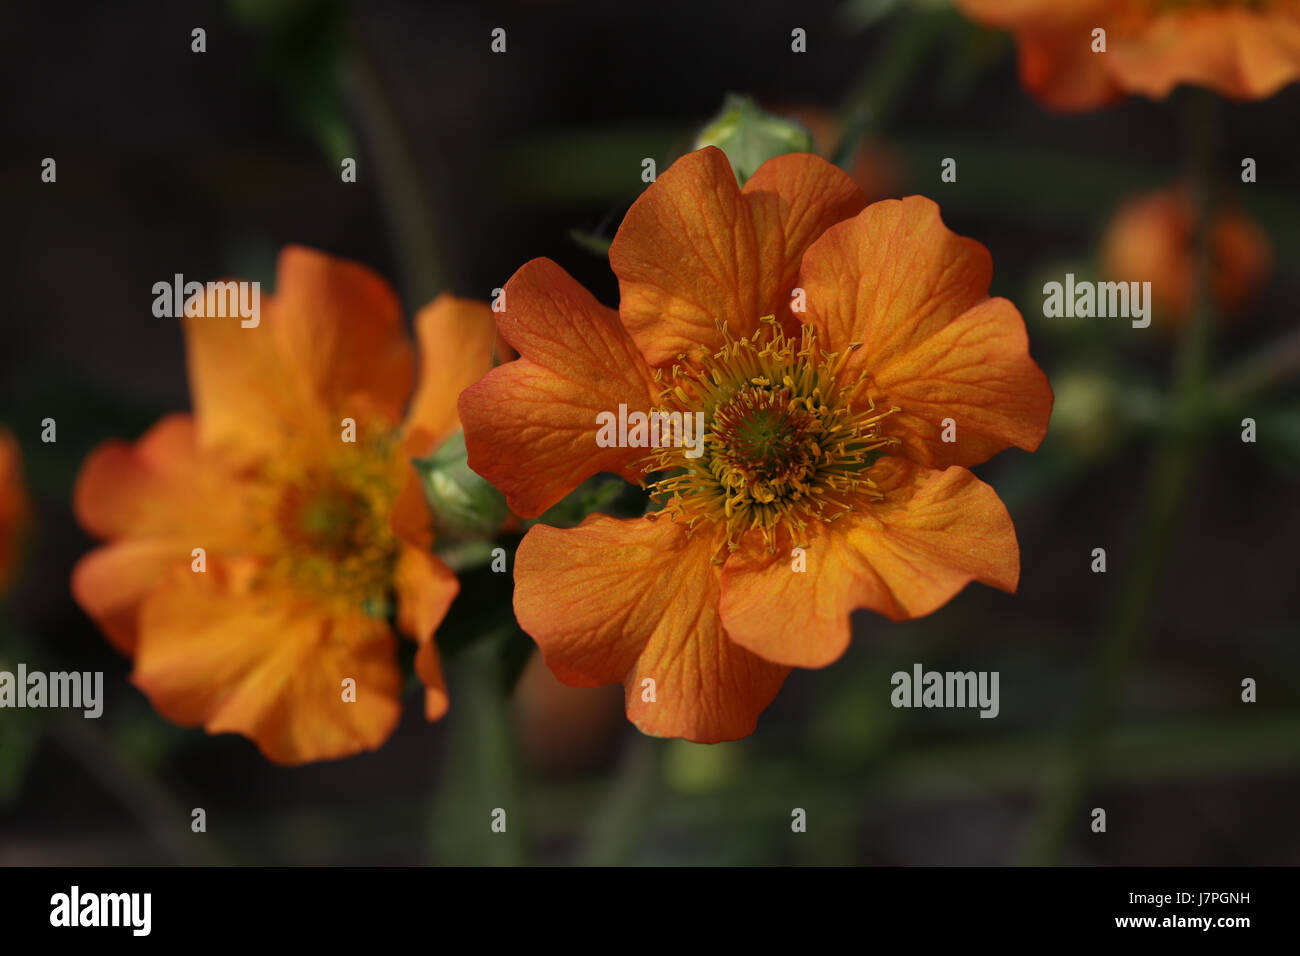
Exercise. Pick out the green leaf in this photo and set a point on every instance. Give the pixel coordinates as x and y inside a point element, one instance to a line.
<point>603,493</point>
<point>591,241</point>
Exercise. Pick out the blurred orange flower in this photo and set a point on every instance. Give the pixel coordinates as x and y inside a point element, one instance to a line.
<point>563,729</point>
<point>14,507</point>
<point>1246,49</point>
<point>1152,237</point>
<point>294,476</point>
<point>699,608</point>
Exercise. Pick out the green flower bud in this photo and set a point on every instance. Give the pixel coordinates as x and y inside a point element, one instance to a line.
<point>750,136</point>
<point>464,505</point>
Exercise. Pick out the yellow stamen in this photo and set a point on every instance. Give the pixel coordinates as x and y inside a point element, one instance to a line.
<point>786,443</point>
<point>325,519</point>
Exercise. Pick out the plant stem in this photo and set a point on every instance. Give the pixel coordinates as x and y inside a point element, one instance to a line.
<point>159,814</point>
<point>399,180</point>
<point>478,816</point>
<point>878,91</point>
<point>617,828</point>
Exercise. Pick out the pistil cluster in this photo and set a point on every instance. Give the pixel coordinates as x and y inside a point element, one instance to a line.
<point>327,525</point>
<point>787,442</point>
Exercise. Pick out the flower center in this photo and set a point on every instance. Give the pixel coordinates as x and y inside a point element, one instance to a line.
<point>328,531</point>
<point>786,443</point>
<point>324,516</point>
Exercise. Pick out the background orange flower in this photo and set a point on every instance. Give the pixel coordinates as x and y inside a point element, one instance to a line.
<point>1152,237</point>
<point>1245,50</point>
<point>294,477</point>
<point>14,506</point>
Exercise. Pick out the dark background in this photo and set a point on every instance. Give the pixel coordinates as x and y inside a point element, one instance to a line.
<point>470,164</point>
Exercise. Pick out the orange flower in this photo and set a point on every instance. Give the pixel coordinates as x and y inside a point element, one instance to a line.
<point>14,509</point>
<point>1153,237</point>
<point>301,555</point>
<point>699,608</point>
<point>1246,49</point>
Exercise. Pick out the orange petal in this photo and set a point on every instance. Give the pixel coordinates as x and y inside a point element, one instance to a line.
<point>329,344</point>
<point>411,519</point>
<point>636,600</point>
<point>915,295</point>
<point>162,486</point>
<point>800,196</point>
<point>1152,236</point>
<point>904,557</point>
<point>162,497</point>
<point>1054,41</point>
<point>213,651</point>
<point>425,588</point>
<point>1058,66</point>
<point>340,332</point>
<point>530,425</point>
<point>14,506</point>
<point>237,386</point>
<point>1238,52</point>
<point>689,254</point>
<point>1243,260</point>
<point>110,583</point>
<point>456,339</point>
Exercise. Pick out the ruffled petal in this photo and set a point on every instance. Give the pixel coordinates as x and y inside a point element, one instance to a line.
<point>215,651</point>
<point>425,588</point>
<point>341,337</point>
<point>456,339</point>
<point>636,601</point>
<point>689,255</point>
<point>530,425</point>
<point>110,583</point>
<point>1238,52</point>
<point>915,297</point>
<point>800,196</point>
<point>903,557</point>
<point>161,486</point>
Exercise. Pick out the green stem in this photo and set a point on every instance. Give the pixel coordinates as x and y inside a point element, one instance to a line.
<point>398,179</point>
<point>166,821</point>
<point>478,816</point>
<point>1166,487</point>
<point>616,830</point>
<point>1274,364</point>
<point>879,90</point>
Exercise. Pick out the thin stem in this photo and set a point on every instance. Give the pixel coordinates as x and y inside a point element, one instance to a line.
<point>166,821</point>
<point>398,179</point>
<point>479,817</point>
<point>617,828</point>
<point>879,90</point>
<point>1274,364</point>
